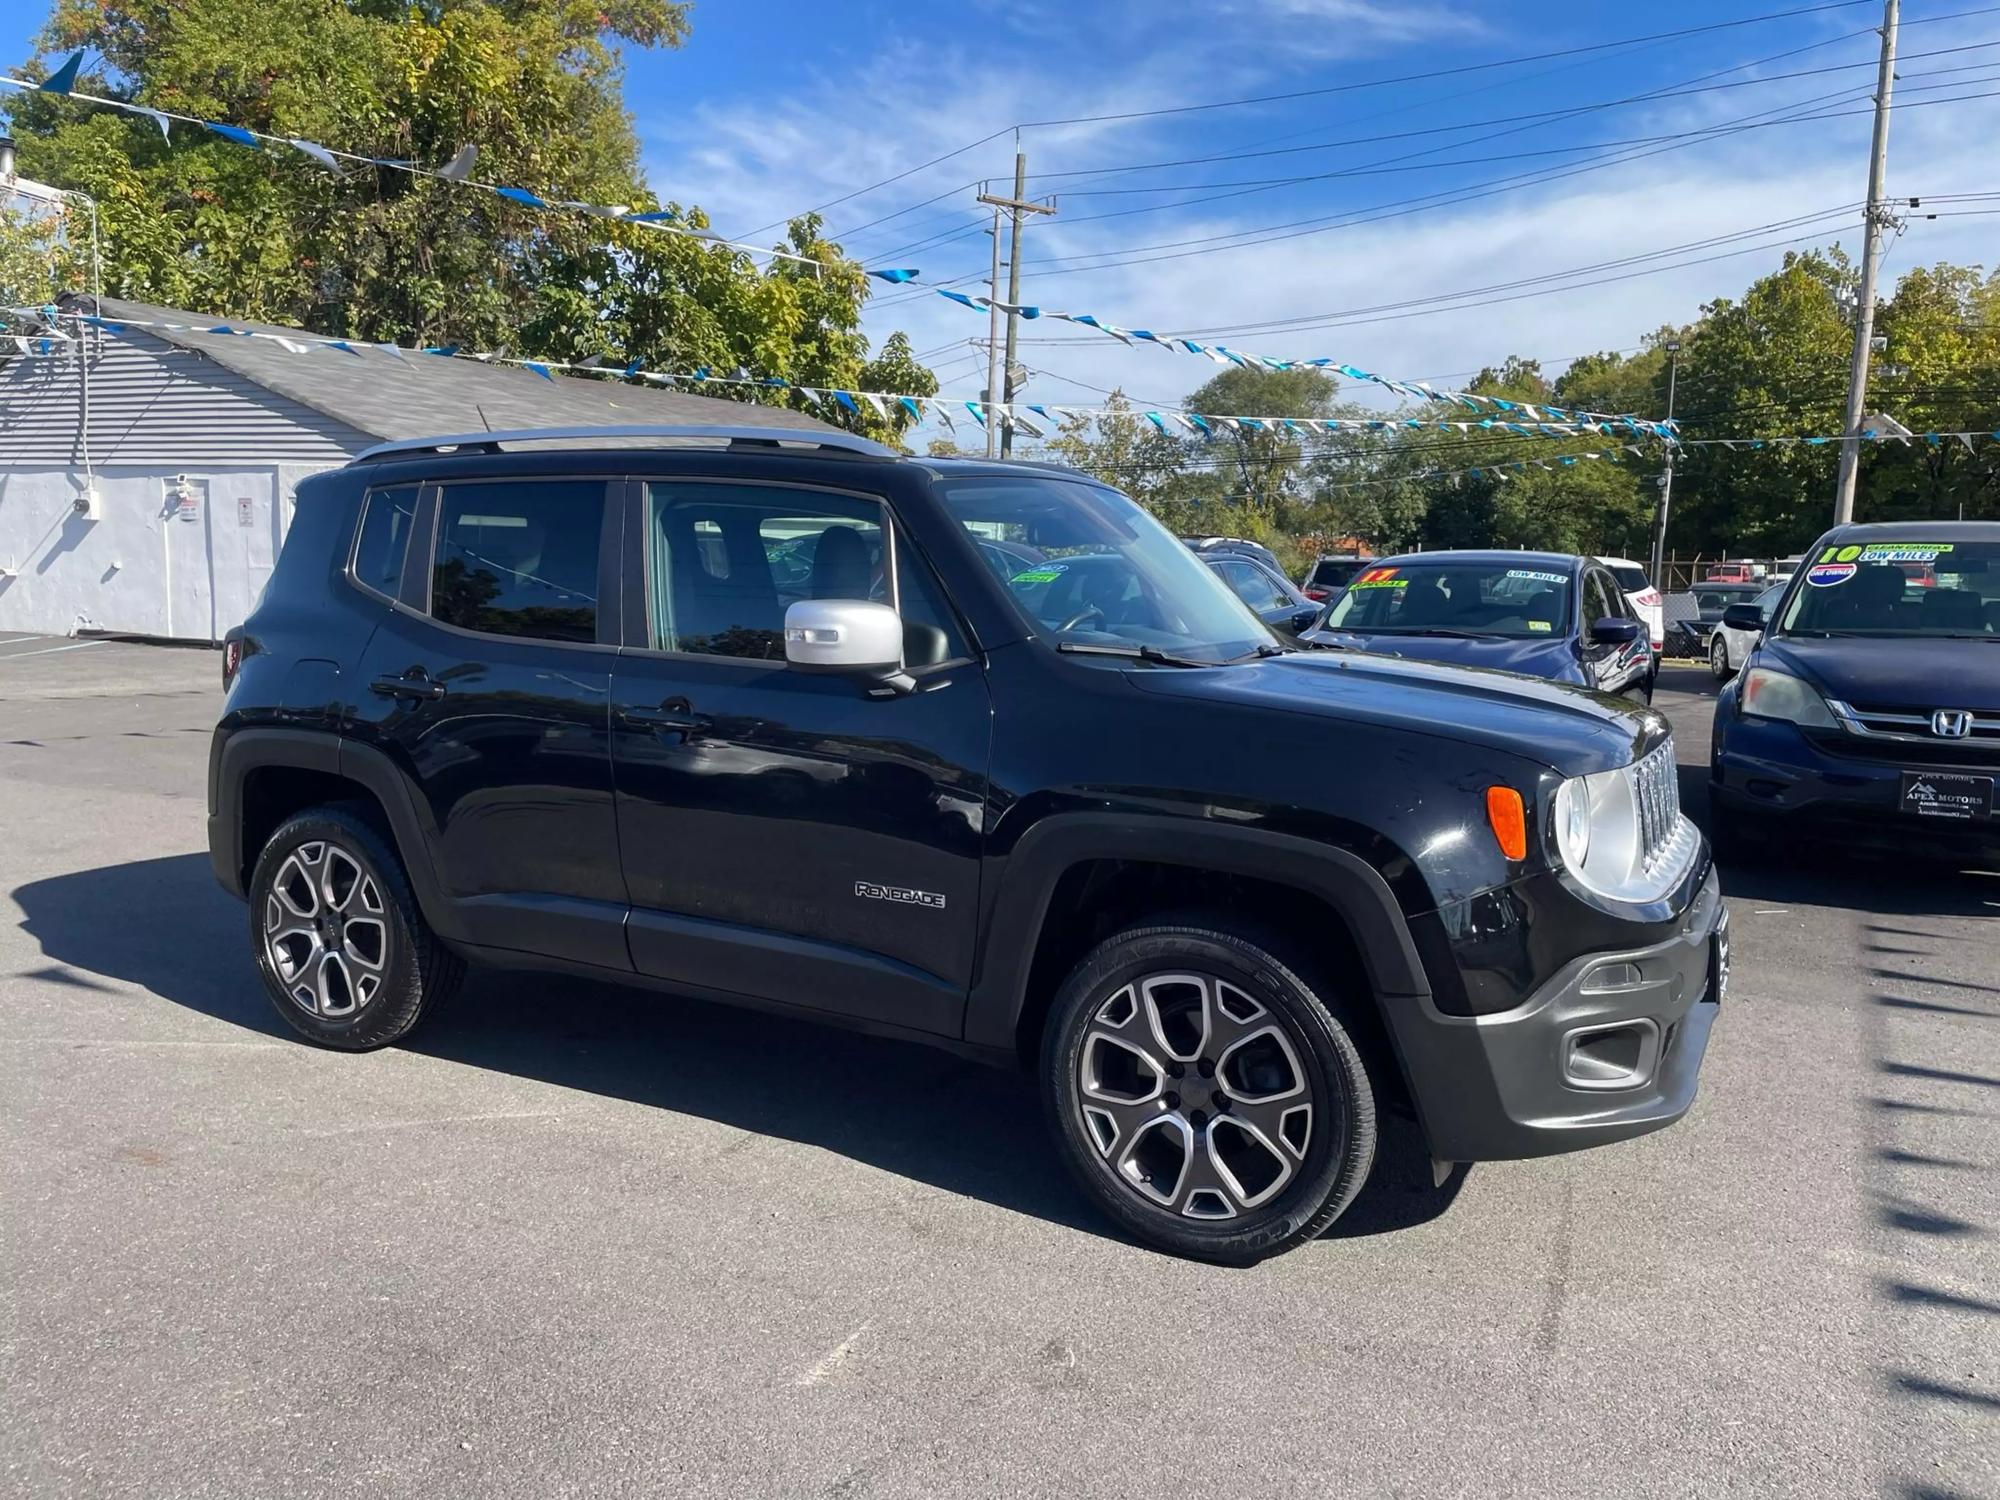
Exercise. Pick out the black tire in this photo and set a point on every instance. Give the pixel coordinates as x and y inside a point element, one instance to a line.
<point>387,989</point>
<point>1339,1129</point>
<point>1718,658</point>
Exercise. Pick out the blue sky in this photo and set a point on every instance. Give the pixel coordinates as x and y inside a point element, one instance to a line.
<point>1365,197</point>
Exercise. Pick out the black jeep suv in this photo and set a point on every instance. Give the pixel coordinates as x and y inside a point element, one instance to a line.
<point>751,714</point>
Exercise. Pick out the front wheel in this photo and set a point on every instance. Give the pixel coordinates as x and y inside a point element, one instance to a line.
<point>1205,1095</point>
<point>1718,658</point>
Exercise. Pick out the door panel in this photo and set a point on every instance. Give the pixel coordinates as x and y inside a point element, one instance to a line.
<point>503,730</point>
<point>787,835</point>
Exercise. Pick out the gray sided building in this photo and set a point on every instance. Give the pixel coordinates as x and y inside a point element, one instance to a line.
<point>146,475</point>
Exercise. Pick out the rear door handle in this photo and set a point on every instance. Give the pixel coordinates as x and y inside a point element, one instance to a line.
<point>417,684</point>
<point>675,713</point>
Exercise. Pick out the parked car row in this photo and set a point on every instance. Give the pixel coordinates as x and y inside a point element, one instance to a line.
<point>977,754</point>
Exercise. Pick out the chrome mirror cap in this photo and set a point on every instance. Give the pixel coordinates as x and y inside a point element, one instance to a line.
<point>844,635</point>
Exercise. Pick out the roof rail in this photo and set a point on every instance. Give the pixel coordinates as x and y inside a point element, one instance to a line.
<point>767,436</point>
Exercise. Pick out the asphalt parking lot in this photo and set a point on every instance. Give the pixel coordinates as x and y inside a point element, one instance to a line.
<point>576,1241</point>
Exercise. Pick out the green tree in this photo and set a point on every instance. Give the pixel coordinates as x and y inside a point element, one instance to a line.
<point>536,85</point>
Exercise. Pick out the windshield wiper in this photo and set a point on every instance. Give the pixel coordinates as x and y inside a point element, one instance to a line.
<point>1445,630</point>
<point>1151,654</point>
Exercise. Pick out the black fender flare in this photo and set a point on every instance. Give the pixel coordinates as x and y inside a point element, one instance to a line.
<point>251,749</point>
<point>1019,909</point>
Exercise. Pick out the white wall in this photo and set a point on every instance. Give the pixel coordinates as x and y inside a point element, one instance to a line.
<point>146,566</point>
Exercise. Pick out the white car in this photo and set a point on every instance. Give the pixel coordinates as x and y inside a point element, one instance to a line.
<point>1728,646</point>
<point>1643,597</point>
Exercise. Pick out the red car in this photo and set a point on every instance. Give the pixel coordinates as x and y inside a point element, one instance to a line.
<point>1730,573</point>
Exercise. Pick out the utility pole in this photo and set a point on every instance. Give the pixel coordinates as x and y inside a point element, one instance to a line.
<point>1673,347</point>
<point>1875,218</point>
<point>999,366</point>
<point>992,334</point>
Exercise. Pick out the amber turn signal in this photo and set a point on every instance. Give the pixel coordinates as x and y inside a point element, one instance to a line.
<point>1509,820</point>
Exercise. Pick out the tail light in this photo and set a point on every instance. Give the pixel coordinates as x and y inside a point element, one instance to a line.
<point>1318,596</point>
<point>232,660</point>
<point>1649,598</point>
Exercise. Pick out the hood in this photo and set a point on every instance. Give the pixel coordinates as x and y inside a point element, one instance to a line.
<point>1909,672</point>
<point>1551,656</point>
<point>1564,728</point>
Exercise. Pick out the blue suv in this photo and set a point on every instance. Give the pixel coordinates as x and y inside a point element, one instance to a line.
<point>1870,708</point>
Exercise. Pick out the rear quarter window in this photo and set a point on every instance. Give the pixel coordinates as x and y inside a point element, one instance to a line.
<point>386,517</point>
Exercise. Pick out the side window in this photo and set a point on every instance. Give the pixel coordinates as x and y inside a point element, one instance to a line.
<point>520,557</point>
<point>385,532</point>
<point>1264,591</point>
<point>725,562</point>
<point>1237,576</point>
<point>1596,600</point>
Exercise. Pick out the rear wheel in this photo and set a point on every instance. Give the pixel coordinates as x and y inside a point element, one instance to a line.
<point>1718,658</point>
<point>1205,1094</point>
<point>345,954</point>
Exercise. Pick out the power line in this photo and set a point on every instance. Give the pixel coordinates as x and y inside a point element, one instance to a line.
<point>1549,116</point>
<point>1505,62</point>
<point>1268,234</point>
<point>1400,208</point>
<point>1584,50</point>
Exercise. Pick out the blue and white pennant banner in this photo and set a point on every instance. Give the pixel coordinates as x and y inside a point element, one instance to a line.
<point>458,170</point>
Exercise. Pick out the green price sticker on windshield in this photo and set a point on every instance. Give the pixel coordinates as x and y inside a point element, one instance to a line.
<point>1382,583</point>
<point>1038,575</point>
<point>1887,552</point>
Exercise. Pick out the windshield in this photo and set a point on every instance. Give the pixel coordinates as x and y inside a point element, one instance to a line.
<point>1914,587</point>
<point>1447,597</point>
<point>1099,572</point>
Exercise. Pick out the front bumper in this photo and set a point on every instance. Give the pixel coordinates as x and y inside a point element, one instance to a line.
<point>1607,1048</point>
<point>1766,769</point>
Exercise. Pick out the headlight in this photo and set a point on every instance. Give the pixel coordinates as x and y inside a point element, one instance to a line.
<point>1779,695</point>
<point>1621,832</point>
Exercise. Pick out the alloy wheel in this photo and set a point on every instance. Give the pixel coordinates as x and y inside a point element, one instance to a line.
<point>326,932</point>
<point>1718,656</point>
<point>1195,1096</point>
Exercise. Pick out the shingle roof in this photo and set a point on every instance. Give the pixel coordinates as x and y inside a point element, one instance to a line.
<point>415,395</point>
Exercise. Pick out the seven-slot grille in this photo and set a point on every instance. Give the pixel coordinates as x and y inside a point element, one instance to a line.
<point>1656,789</point>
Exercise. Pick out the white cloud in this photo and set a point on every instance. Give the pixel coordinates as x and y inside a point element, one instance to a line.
<point>750,167</point>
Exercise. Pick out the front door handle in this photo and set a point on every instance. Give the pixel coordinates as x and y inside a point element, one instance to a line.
<point>415,683</point>
<point>675,714</point>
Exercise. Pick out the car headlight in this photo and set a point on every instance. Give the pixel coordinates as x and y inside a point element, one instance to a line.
<point>1621,833</point>
<point>1573,821</point>
<point>1768,694</point>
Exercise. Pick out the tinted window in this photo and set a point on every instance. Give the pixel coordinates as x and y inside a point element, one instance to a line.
<point>519,557</point>
<point>1632,580</point>
<point>1600,600</point>
<point>726,562</point>
<point>385,529</point>
<point>1255,587</point>
<point>1329,573</point>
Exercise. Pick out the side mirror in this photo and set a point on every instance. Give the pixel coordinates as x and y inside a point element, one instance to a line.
<point>1303,619</point>
<point>1744,617</point>
<point>849,637</point>
<point>1613,631</point>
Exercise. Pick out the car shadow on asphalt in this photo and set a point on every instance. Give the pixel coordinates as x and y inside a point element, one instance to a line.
<point>915,1111</point>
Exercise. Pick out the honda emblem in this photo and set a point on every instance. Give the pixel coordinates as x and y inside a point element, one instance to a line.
<point>1951,723</point>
